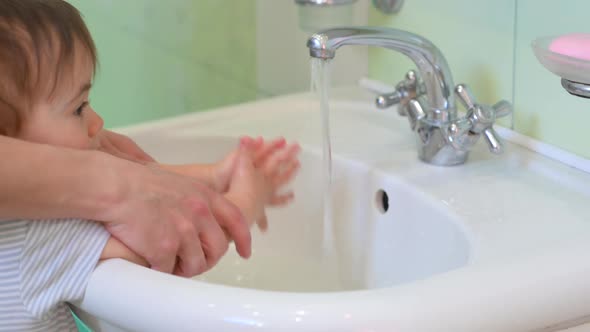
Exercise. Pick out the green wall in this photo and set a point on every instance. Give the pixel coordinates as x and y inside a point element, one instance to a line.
<point>544,109</point>
<point>164,58</point>
<point>487,45</point>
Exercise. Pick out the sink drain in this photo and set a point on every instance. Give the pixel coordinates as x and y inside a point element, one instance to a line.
<point>382,201</point>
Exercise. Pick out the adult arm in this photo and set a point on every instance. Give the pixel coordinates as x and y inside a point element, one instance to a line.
<point>123,147</point>
<point>157,214</point>
<point>43,181</point>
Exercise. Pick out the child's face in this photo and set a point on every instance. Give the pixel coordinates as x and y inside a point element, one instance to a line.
<point>64,117</point>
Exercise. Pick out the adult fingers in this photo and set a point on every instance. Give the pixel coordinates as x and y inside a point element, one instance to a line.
<point>191,257</point>
<point>192,260</point>
<point>231,220</point>
<point>214,244</point>
<point>149,233</point>
<point>128,146</point>
<point>107,146</point>
<point>164,260</point>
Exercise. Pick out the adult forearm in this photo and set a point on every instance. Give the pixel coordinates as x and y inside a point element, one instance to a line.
<point>42,181</point>
<point>175,222</point>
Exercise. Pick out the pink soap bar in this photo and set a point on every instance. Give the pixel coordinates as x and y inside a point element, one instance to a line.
<point>575,45</point>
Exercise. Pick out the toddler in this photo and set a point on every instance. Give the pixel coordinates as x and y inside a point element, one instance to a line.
<point>47,61</point>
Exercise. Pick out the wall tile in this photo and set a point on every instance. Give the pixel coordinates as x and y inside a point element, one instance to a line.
<point>283,59</point>
<point>163,58</point>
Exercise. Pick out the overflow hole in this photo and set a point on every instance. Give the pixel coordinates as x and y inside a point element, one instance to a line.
<point>382,201</point>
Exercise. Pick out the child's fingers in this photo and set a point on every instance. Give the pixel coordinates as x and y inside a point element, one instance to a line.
<point>269,148</point>
<point>286,174</point>
<point>255,143</point>
<point>262,223</point>
<point>274,163</point>
<point>259,141</point>
<point>247,148</point>
<point>246,140</point>
<point>282,199</point>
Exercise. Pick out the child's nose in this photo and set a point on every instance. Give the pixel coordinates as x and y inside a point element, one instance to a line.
<point>95,123</point>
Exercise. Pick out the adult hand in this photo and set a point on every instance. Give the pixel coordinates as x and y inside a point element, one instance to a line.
<point>157,214</point>
<point>176,223</point>
<point>122,147</point>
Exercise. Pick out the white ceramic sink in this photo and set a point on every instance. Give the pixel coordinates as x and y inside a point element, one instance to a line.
<point>498,244</point>
<point>416,237</point>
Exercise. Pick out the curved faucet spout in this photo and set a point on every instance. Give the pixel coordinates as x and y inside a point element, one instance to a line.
<point>430,62</point>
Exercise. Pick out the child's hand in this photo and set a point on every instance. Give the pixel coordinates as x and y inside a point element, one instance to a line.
<point>261,170</point>
<point>219,175</point>
<point>249,189</point>
<point>260,151</point>
<point>279,163</point>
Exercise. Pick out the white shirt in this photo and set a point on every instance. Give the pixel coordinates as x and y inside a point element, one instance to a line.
<point>43,265</point>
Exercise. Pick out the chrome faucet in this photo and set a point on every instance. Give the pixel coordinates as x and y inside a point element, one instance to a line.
<point>426,97</point>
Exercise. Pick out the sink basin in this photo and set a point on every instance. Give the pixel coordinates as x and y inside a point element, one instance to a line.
<point>385,232</point>
<point>497,244</point>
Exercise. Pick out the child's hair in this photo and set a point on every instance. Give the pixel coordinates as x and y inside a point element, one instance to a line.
<point>38,43</point>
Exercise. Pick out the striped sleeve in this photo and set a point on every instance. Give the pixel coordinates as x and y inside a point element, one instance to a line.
<point>57,260</point>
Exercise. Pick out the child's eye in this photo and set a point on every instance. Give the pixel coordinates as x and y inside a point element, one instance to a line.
<point>80,109</point>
